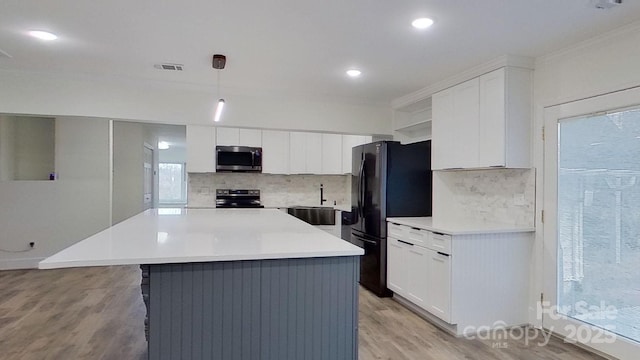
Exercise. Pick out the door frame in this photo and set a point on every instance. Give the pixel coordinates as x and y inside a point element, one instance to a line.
<point>573,330</point>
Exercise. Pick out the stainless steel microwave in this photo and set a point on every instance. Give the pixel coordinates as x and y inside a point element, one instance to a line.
<point>238,159</point>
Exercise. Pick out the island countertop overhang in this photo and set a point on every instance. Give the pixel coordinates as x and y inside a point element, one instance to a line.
<point>162,236</point>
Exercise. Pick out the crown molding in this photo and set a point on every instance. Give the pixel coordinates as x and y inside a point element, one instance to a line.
<point>502,61</point>
<point>591,42</point>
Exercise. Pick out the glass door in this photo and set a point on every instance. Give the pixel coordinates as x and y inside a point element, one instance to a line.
<point>592,222</point>
<point>172,183</point>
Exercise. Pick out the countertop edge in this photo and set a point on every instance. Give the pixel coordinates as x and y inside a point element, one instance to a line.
<point>469,231</point>
<point>44,265</point>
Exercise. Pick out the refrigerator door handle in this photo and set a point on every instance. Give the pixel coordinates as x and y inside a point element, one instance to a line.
<point>361,190</point>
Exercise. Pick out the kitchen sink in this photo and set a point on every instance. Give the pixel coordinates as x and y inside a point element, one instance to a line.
<point>314,215</point>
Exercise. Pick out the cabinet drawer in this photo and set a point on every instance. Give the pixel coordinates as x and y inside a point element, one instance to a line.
<point>418,236</point>
<point>440,242</point>
<point>397,231</point>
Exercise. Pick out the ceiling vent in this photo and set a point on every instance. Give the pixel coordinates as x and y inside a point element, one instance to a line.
<point>170,67</point>
<point>4,54</point>
<point>606,4</point>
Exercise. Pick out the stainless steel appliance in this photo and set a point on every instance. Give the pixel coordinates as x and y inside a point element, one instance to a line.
<point>388,179</point>
<point>238,159</point>
<point>230,198</point>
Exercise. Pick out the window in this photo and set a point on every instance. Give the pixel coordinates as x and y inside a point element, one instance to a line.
<point>598,226</point>
<point>172,183</point>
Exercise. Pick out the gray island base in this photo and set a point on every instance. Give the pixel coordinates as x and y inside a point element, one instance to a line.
<point>276,309</point>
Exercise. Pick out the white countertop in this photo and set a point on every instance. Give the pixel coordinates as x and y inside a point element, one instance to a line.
<point>458,228</point>
<point>160,236</point>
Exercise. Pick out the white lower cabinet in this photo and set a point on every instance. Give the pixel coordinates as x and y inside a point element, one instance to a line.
<point>397,268</point>
<point>439,279</point>
<point>469,281</point>
<point>417,272</point>
<point>407,266</point>
<point>418,262</point>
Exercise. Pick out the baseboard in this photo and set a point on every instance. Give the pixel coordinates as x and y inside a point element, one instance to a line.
<point>451,329</point>
<point>16,264</point>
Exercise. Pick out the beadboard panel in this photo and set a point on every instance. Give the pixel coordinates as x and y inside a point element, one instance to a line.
<point>489,277</point>
<point>262,309</point>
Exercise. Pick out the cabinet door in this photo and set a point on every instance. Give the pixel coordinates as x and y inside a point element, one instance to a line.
<point>439,284</point>
<point>227,136</point>
<point>331,154</point>
<point>275,152</point>
<point>397,267</point>
<point>492,123</point>
<point>417,284</point>
<point>201,148</point>
<point>297,153</point>
<point>464,126</point>
<point>250,137</point>
<point>348,142</point>
<point>313,153</point>
<point>443,141</point>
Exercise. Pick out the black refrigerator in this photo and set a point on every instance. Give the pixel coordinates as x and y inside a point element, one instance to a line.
<point>388,179</point>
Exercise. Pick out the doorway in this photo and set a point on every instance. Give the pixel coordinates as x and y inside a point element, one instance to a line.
<point>148,177</point>
<point>591,222</point>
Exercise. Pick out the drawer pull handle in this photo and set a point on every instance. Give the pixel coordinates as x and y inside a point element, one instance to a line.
<point>415,228</point>
<point>437,233</point>
<point>404,242</point>
<point>443,254</point>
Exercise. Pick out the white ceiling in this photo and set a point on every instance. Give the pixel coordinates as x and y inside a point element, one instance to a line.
<point>294,47</point>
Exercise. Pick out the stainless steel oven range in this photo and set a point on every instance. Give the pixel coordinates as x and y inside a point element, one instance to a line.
<point>238,198</point>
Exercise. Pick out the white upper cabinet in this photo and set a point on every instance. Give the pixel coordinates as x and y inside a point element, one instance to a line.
<point>201,149</point>
<point>305,153</point>
<point>484,122</point>
<point>455,130</point>
<point>331,154</point>
<point>227,136</point>
<point>283,152</point>
<point>348,142</point>
<point>250,137</point>
<point>239,137</point>
<point>275,152</point>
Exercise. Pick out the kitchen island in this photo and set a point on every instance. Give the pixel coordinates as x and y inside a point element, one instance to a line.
<point>234,283</point>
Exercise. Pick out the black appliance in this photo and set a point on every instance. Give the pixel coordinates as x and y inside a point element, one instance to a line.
<point>388,179</point>
<point>238,159</point>
<point>229,198</point>
<point>345,226</point>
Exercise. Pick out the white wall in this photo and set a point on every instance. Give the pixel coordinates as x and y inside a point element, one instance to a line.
<point>601,65</point>
<point>56,214</point>
<point>128,149</point>
<point>164,102</point>
<point>34,148</point>
<point>7,148</point>
<point>26,147</point>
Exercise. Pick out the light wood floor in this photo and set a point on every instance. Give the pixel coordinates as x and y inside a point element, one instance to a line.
<point>97,313</point>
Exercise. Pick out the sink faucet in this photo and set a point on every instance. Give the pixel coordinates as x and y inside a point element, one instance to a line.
<point>322,199</point>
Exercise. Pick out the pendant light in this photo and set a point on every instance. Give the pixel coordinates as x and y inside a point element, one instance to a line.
<point>218,63</point>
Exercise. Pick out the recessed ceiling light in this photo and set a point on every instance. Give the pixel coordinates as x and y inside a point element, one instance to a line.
<point>354,72</point>
<point>422,23</point>
<point>43,35</point>
<point>163,145</point>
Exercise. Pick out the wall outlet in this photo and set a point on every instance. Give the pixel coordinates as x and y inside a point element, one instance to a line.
<point>519,199</point>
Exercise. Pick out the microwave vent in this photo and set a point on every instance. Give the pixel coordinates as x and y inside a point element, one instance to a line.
<point>170,67</point>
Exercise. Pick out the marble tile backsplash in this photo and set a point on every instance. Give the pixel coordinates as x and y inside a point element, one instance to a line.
<point>505,196</point>
<point>276,190</point>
